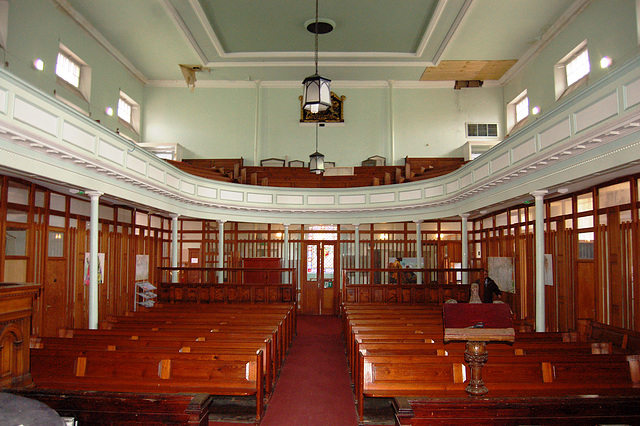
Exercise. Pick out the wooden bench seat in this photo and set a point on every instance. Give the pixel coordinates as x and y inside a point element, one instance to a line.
<point>150,372</point>
<point>121,408</point>
<point>196,337</point>
<point>526,408</point>
<point>626,341</point>
<point>417,375</point>
<point>166,345</point>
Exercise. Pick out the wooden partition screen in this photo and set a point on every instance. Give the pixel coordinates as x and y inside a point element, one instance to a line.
<point>408,285</point>
<point>223,285</point>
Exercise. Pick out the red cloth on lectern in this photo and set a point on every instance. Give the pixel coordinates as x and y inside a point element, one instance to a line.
<point>464,315</point>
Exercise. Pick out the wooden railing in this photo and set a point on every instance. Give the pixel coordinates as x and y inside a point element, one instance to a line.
<point>233,170</point>
<point>409,285</point>
<point>211,285</point>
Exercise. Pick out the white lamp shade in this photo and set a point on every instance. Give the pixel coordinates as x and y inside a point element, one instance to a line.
<point>316,163</point>
<point>317,93</point>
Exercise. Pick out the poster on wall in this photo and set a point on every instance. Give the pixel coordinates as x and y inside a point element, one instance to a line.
<point>548,269</point>
<point>142,267</point>
<point>501,271</point>
<point>87,262</point>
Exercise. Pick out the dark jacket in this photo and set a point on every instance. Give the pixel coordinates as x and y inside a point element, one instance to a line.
<point>490,287</point>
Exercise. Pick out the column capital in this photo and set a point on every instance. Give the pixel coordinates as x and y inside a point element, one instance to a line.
<point>464,215</point>
<point>94,194</point>
<point>220,221</point>
<point>174,215</point>
<point>539,193</point>
<point>418,221</point>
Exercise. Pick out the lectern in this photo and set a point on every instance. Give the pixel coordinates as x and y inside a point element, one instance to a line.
<point>477,324</point>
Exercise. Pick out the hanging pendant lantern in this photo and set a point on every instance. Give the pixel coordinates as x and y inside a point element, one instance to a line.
<point>316,160</point>
<point>316,96</point>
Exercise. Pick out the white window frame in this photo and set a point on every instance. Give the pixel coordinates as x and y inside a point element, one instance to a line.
<point>134,123</point>
<point>4,22</point>
<point>562,87</point>
<point>512,119</point>
<point>83,90</point>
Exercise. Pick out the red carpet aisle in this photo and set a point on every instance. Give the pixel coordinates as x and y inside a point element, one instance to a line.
<point>314,388</point>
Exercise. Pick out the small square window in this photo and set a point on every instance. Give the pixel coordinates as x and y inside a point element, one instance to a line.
<point>578,67</point>
<point>522,109</point>
<point>128,112</point>
<point>517,111</point>
<point>124,110</point>
<point>68,70</point>
<point>571,71</point>
<point>73,74</point>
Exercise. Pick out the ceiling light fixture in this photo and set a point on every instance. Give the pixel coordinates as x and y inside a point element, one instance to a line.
<point>316,95</point>
<point>316,160</point>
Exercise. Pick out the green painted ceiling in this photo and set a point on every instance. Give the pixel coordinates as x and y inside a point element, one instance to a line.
<point>265,40</point>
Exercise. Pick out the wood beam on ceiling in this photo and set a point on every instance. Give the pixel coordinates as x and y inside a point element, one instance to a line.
<point>467,70</point>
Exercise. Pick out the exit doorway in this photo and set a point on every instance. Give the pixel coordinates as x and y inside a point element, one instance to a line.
<point>319,281</point>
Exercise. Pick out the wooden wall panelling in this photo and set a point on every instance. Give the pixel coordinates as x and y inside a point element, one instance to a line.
<point>104,296</point>
<point>616,287</point>
<point>627,273</point>
<point>600,276</point>
<point>551,292</point>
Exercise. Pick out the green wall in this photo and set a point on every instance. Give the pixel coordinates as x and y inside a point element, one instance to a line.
<point>609,26</point>
<point>35,30</point>
<point>261,120</point>
<point>380,120</point>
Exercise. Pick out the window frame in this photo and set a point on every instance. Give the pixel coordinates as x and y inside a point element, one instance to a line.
<point>83,90</point>
<point>512,122</point>
<point>562,86</point>
<point>134,124</point>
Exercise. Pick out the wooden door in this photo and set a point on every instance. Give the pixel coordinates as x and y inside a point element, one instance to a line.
<point>55,302</point>
<point>586,293</point>
<point>319,284</point>
<point>194,262</point>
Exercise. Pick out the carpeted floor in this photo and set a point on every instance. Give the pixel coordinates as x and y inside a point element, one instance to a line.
<point>314,386</point>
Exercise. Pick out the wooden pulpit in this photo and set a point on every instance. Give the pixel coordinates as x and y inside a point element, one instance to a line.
<point>477,324</point>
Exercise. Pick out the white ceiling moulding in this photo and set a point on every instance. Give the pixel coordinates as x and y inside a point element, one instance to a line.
<point>184,14</point>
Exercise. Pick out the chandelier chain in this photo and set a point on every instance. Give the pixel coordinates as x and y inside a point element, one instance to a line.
<point>316,31</point>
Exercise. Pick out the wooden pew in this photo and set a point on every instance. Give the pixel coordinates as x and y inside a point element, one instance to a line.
<point>627,341</point>
<point>411,375</point>
<point>110,343</point>
<point>508,409</point>
<point>150,372</point>
<point>119,408</point>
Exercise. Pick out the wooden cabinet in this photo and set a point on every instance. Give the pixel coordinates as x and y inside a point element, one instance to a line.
<point>16,306</point>
<point>256,270</point>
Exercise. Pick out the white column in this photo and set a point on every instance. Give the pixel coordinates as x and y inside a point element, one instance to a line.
<point>419,250</point>
<point>539,233</point>
<point>392,124</point>
<point>221,249</point>
<point>93,258</point>
<point>174,246</point>
<point>465,247</point>
<point>285,252</point>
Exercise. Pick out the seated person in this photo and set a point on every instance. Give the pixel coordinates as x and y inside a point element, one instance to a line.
<point>397,264</point>
<point>410,277</point>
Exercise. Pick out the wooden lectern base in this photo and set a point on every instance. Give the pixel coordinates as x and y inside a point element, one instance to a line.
<point>477,324</point>
<point>476,355</point>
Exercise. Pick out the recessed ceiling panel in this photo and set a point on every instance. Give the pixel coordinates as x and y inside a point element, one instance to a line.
<point>278,25</point>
